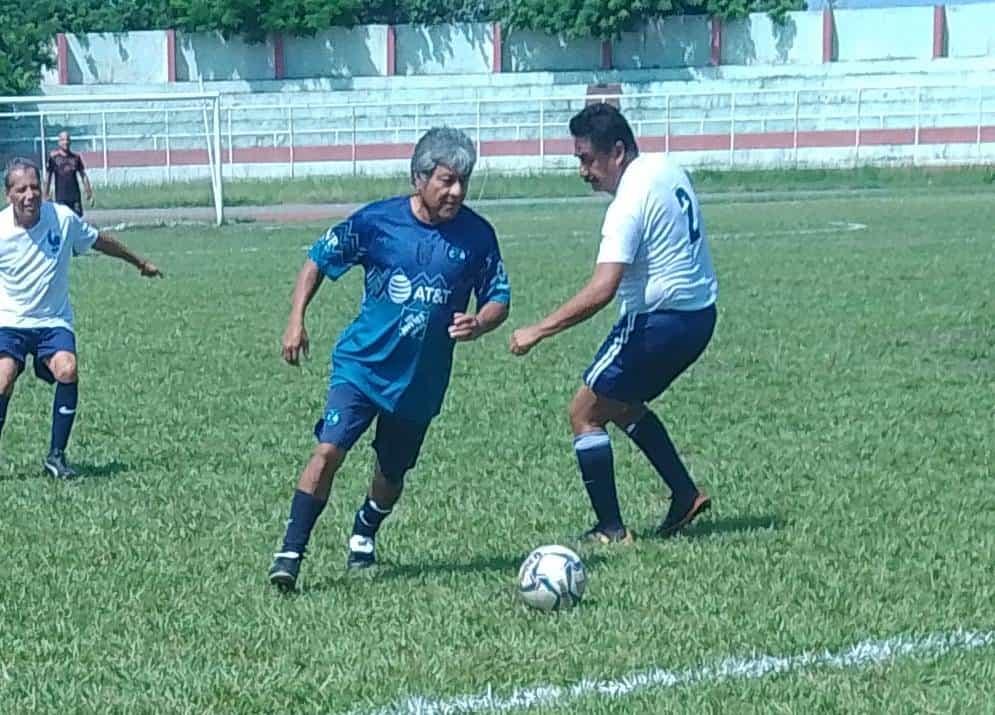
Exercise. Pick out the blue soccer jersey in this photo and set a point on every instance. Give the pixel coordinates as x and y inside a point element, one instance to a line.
<point>398,350</point>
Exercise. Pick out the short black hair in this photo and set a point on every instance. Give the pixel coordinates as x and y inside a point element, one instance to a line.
<point>603,125</point>
<point>18,163</point>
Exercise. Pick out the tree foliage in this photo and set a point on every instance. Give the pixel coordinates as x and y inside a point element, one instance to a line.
<point>26,33</point>
<point>27,28</point>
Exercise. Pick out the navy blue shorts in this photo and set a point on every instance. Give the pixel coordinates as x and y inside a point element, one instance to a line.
<point>348,414</point>
<point>40,343</point>
<point>645,352</point>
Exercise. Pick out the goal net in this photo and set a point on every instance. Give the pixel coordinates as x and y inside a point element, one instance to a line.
<point>123,138</point>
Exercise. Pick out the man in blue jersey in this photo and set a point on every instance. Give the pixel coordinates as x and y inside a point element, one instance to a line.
<point>423,255</point>
<point>654,258</point>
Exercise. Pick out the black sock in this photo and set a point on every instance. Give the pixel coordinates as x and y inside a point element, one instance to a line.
<point>63,413</point>
<point>597,469</point>
<point>304,512</point>
<point>651,437</point>
<point>4,401</point>
<point>369,518</point>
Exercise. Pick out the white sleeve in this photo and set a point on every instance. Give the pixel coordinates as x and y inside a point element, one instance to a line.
<point>81,234</point>
<point>622,231</point>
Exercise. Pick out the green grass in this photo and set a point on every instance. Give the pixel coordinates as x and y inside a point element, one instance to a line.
<point>842,419</point>
<point>358,189</point>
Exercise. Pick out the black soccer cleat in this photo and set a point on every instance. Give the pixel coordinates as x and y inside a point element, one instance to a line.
<point>283,573</point>
<point>362,553</point>
<point>55,464</point>
<point>679,516</point>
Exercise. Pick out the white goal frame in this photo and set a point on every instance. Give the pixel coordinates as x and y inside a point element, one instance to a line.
<point>34,106</point>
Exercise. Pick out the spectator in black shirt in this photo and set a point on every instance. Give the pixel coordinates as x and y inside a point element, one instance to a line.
<point>67,169</point>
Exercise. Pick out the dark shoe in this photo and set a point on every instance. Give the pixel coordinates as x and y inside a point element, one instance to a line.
<point>283,572</point>
<point>604,537</point>
<point>55,464</point>
<point>362,553</point>
<point>680,516</point>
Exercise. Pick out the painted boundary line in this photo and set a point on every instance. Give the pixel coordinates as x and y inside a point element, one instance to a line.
<point>860,655</point>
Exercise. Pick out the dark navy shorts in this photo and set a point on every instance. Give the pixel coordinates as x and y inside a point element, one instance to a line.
<point>349,413</point>
<point>41,343</point>
<point>645,352</point>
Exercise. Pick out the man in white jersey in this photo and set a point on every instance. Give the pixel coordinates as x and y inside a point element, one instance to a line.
<point>37,240</point>
<point>654,258</point>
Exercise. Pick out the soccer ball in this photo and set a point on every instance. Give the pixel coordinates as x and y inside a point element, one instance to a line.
<point>552,578</point>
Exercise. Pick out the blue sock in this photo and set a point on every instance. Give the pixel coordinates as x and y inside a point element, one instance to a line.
<point>597,469</point>
<point>651,437</point>
<point>368,519</point>
<point>304,512</point>
<point>63,413</point>
<point>4,401</point>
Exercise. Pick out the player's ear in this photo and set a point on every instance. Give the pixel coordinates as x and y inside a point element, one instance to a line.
<point>619,151</point>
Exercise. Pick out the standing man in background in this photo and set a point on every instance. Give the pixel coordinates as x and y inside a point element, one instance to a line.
<point>66,168</point>
<point>654,256</point>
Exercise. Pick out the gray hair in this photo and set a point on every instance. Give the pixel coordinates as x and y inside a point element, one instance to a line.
<point>446,146</point>
<point>18,163</point>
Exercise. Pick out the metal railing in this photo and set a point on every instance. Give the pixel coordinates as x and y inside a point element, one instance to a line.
<point>102,128</point>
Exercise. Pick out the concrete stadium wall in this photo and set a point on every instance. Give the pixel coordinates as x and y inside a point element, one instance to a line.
<point>837,36</point>
<point>757,39</point>
<point>338,52</point>
<point>445,49</point>
<point>885,33</point>
<point>674,42</point>
<point>970,31</point>
<point>525,51</point>
<point>209,56</point>
<point>121,58</point>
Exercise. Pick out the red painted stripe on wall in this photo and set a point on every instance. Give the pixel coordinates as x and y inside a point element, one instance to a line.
<point>839,139</point>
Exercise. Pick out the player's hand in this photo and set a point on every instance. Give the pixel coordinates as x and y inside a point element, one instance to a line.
<point>464,327</point>
<point>295,343</point>
<point>149,270</point>
<point>524,339</point>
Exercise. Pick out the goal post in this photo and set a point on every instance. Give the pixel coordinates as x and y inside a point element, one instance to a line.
<point>150,138</point>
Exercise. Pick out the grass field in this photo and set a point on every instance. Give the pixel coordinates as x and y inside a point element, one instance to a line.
<point>492,185</point>
<point>842,418</point>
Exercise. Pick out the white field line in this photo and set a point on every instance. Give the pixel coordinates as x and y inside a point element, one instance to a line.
<point>519,240</point>
<point>860,655</point>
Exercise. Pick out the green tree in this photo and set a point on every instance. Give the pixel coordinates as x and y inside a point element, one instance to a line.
<point>606,19</point>
<point>26,33</point>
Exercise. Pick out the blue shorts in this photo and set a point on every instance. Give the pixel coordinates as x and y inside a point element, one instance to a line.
<point>348,414</point>
<point>645,352</point>
<point>41,343</point>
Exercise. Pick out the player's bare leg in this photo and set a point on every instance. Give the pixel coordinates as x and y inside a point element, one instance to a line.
<point>589,413</point>
<point>9,370</point>
<point>313,487</point>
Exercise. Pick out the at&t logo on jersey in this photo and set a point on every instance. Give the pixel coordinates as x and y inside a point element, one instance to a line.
<point>423,289</point>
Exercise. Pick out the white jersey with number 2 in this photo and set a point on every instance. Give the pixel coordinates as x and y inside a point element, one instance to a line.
<point>653,225</point>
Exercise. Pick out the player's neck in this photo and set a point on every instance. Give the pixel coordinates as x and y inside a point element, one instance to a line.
<point>421,212</point>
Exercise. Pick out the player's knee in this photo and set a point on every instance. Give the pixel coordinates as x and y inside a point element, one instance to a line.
<point>63,368</point>
<point>9,370</point>
<point>327,457</point>
<point>581,415</point>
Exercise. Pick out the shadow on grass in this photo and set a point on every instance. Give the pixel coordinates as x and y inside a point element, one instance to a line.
<point>385,570</point>
<point>733,525</point>
<point>87,470</point>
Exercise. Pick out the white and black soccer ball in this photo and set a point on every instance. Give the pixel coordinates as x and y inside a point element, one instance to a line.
<point>552,578</point>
